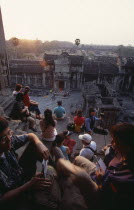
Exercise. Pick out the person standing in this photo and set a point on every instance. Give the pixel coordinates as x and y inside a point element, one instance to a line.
<point>53,97</point>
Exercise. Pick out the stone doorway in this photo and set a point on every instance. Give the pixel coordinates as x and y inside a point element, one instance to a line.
<point>61,85</point>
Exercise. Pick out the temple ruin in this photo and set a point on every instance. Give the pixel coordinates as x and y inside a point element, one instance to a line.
<point>4,67</point>
<point>102,80</point>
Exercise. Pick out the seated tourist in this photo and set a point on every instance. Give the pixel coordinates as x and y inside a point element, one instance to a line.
<point>70,143</point>
<point>89,147</point>
<point>32,105</point>
<point>17,90</point>
<point>48,127</point>
<point>112,189</point>
<point>90,121</point>
<point>59,111</point>
<point>79,121</point>
<point>18,177</point>
<point>109,153</point>
<point>59,143</point>
<point>21,112</point>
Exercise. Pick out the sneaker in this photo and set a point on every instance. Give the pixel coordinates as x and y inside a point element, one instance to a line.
<point>33,129</point>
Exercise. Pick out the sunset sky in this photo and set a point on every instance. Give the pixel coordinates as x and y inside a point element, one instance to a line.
<point>92,21</point>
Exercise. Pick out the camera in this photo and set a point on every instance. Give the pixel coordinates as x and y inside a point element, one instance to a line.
<point>102,115</point>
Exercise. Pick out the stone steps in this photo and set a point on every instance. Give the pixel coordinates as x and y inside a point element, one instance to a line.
<point>6,102</point>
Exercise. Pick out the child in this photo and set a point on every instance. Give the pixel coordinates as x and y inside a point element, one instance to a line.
<point>71,143</point>
<point>59,142</point>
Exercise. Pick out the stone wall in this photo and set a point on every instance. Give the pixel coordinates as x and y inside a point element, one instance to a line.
<point>66,74</point>
<point>4,70</point>
<point>70,72</point>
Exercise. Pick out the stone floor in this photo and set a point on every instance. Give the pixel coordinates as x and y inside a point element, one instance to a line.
<point>70,103</point>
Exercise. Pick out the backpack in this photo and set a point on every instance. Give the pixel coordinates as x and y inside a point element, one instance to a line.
<point>83,128</point>
<point>71,126</point>
<point>94,151</point>
<point>100,131</point>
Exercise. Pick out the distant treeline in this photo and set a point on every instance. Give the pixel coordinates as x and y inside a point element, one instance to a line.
<point>37,47</point>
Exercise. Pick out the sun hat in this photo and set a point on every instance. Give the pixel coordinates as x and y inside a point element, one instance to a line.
<point>86,138</point>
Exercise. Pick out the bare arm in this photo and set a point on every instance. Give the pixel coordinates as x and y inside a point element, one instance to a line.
<point>34,183</point>
<point>33,102</point>
<point>25,109</point>
<point>14,193</point>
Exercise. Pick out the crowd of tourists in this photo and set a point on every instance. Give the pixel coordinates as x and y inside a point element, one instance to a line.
<point>69,179</point>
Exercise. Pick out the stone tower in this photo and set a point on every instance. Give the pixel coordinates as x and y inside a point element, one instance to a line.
<point>4,67</point>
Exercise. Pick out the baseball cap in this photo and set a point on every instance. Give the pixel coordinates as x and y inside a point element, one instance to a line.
<point>86,138</point>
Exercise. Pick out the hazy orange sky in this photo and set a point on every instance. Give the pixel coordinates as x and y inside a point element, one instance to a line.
<point>92,21</point>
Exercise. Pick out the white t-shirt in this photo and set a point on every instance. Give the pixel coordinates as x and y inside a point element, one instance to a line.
<point>15,93</point>
<point>87,152</point>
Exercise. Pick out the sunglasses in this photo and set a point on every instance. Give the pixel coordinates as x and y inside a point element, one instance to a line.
<point>3,139</point>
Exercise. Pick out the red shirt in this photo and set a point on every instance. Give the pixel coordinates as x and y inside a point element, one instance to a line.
<point>69,143</point>
<point>26,100</point>
<point>79,120</point>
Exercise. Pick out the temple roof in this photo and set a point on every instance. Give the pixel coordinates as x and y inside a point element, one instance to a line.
<point>93,67</point>
<point>26,66</point>
<point>106,59</point>
<point>49,58</point>
<point>74,59</point>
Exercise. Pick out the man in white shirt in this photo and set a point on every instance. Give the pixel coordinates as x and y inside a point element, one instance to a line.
<point>89,147</point>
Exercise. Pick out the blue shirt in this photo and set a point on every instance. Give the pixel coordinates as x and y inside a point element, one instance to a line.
<point>88,122</point>
<point>11,174</point>
<point>64,151</point>
<point>59,111</point>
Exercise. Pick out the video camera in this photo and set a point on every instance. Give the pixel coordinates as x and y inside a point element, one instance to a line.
<point>102,115</point>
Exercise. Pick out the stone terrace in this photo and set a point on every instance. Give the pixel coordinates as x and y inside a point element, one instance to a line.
<point>70,103</point>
